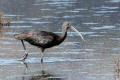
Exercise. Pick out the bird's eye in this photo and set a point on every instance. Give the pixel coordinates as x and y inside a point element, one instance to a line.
<point>68,24</point>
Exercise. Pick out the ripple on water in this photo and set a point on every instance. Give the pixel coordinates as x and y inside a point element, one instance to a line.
<point>72,11</point>
<point>102,12</point>
<point>70,43</point>
<point>116,49</point>
<point>76,10</point>
<point>50,17</point>
<point>89,23</point>
<point>60,3</point>
<point>47,9</point>
<point>8,61</point>
<point>96,35</point>
<point>6,42</point>
<point>103,27</point>
<point>31,22</point>
<point>73,16</point>
<point>118,39</point>
<point>19,22</point>
<point>32,19</point>
<point>97,14</point>
<point>69,52</point>
<point>105,7</point>
<point>114,1</point>
<point>81,9</point>
<point>37,22</point>
<point>10,15</point>
<point>1,54</point>
<point>54,59</point>
<point>20,26</point>
<point>46,59</point>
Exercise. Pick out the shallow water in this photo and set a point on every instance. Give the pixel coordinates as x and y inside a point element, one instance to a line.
<point>74,59</point>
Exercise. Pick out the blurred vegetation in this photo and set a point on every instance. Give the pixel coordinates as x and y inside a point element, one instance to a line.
<point>4,21</point>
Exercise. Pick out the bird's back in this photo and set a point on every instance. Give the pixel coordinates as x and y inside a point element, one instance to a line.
<point>42,39</point>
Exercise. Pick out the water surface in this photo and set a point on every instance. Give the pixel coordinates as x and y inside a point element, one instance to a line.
<point>74,59</point>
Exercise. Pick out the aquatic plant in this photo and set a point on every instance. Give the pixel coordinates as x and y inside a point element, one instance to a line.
<point>4,21</point>
<point>117,67</point>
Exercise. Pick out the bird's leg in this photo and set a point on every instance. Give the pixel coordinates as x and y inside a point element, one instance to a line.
<point>42,55</point>
<point>26,53</point>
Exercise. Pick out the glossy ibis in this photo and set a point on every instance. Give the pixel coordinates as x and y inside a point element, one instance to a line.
<point>44,39</point>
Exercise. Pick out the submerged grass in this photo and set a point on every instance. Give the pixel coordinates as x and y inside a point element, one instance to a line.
<point>117,68</point>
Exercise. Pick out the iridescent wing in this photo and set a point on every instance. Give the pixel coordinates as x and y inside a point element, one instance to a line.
<point>41,37</point>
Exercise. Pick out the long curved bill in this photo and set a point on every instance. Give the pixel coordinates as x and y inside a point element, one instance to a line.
<point>73,28</point>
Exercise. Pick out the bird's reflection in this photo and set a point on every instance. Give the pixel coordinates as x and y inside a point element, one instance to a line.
<point>45,76</point>
<point>40,75</point>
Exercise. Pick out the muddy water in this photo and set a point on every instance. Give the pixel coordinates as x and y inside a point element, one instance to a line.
<point>74,59</point>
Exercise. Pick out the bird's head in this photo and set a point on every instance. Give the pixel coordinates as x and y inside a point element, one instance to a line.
<point>66,25</point>
<point>20,36</point>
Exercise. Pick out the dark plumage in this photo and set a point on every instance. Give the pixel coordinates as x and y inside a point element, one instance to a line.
<point>43,39</point>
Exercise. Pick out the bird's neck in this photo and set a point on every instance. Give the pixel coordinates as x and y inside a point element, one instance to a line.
<point>63,35</point>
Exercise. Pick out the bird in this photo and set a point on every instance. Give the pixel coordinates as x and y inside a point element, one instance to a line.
<point>44,39</point>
